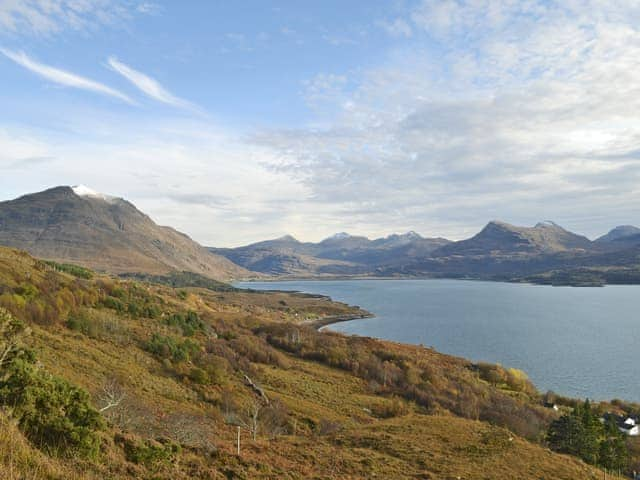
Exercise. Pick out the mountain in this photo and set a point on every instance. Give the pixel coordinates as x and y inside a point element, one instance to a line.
<point>500,238</point>
<point>619,238</point>
<point>78,225</point>
<point>340,254</point>
<point>618,233</point>
<point>286,256</point>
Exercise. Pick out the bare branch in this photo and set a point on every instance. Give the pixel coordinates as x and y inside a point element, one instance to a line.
<point>112,395</point>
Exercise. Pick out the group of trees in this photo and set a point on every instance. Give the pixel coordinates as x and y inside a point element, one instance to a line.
<point>170,348</point>
<point>583,434</point>
<point>509,378</point>
<point>75,270</point>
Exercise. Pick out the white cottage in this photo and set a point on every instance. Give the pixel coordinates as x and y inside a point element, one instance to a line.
<point>630,427</point>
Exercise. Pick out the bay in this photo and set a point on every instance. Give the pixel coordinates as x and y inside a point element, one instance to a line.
<point>581,342</point>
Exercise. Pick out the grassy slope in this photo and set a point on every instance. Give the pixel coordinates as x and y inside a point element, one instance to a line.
<point>160,402</point>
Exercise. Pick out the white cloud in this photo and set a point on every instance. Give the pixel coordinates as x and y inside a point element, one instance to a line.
<point>148,85</point>
<point>63,77</point>
<point>150,8</point>
<point>48,17</point>
<point>517,112</point>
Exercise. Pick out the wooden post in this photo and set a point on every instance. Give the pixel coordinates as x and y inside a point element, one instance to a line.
<point>238,441</point>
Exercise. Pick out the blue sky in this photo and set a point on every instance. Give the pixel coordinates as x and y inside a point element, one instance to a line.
<point>239,121</point>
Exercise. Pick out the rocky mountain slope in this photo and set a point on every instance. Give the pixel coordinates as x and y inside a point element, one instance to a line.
<point>105,233</point>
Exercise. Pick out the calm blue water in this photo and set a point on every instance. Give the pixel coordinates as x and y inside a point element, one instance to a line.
<point>583,342</point>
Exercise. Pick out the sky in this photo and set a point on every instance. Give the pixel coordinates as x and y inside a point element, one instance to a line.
<point>236,122</point>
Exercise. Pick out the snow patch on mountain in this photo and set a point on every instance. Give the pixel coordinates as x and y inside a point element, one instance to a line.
<point>339,236</point>
<point>84,191</point>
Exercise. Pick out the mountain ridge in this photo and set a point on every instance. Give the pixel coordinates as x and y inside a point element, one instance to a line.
<point>499,251</point>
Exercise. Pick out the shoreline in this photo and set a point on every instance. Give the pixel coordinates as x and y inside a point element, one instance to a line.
<point>521,281</point>
<point>322,322</point>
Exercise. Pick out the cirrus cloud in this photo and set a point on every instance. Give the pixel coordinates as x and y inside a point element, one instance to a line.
<point>63,77</point>
<point>148,85</point>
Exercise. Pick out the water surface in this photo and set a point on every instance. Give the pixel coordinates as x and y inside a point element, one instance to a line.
<point>583,342</point>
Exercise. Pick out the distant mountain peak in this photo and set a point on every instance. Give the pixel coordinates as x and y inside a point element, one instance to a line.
<point>403,237</point>
<point>619,233</point>
<point>338,236</point>
<point>287,238</point>
<point>547,223</point>
<point>498,224</point>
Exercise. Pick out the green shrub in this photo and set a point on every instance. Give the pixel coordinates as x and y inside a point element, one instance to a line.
<point>101,324</point>
<point>392,408</point>
<point>199,376</point>
<point>189,323</point>
<point>150,454</point>
<point>74,270</point>
<point>114,304</point>
<point>81,322</point>
<point>53,414</point>
<point>27,291</point>
<point>170,348</point>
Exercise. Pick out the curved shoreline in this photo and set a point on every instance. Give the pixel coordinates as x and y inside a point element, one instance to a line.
<point>321,322</point>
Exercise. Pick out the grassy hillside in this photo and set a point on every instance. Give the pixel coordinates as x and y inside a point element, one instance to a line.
<point>184,367</point>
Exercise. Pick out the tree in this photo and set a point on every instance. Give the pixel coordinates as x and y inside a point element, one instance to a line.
<point>592,432</point>
<point>257,416</point>
<point>565,435</point>
<point>613,453</point>
<point>112,395</point>
<point>581,433</point>
<point>250,418</point>
<point>12,331</point>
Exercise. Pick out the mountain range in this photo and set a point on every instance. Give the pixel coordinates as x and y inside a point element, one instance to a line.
<point>340,254</point>
<point>500,251</point>
<point>80,226</point>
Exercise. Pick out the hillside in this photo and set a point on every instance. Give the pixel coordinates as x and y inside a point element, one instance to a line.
<point>104,233</point>
<point>176,370</point>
